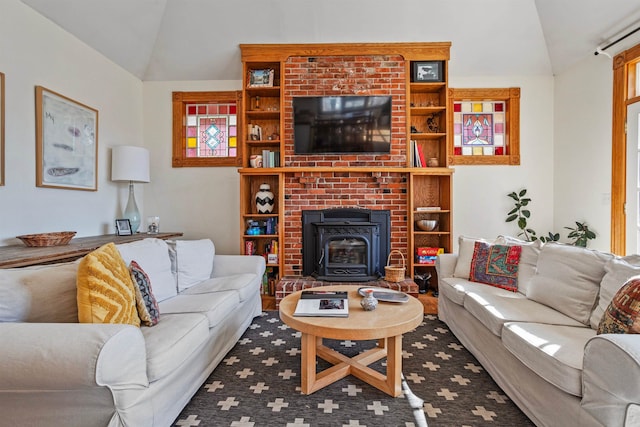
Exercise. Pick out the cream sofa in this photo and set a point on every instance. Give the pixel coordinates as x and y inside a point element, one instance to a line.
<point>55,371</point>
<point>540,344</point>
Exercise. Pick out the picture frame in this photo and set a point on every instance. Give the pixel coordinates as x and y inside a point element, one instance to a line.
<point>261,78</point>
<point>1,129</point>
<point>66,142</point>
<point>123,227</point>
<point>427,71</point>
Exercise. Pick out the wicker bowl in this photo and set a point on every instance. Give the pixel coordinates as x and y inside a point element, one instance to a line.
<point>59,238</point>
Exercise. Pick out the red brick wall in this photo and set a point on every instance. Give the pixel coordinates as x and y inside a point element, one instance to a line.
<point>345,75</point>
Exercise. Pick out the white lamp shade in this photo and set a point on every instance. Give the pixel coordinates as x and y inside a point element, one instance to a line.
<point>129,163</point>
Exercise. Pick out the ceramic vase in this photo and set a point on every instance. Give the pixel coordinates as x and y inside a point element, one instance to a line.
<point>369,302</point>
<point>264,199</point>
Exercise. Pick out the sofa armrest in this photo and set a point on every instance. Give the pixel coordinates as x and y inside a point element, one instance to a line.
<point>611,377</point>
<point>227,265</point>
<point>71,356</point>
<point>446,265</point>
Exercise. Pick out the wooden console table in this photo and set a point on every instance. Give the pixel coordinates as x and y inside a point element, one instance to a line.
<point>21,256</point>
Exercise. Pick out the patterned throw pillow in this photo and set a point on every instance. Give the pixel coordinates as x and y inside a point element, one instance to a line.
<point>105,292</point>
<point>623,314</point>
<point>496,265</point>
<point>145,301</point>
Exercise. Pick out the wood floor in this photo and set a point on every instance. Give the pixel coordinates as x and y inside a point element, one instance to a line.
<point>429,302</point>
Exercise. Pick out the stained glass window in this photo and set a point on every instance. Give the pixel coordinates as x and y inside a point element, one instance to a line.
<point>485,126</point>
<point>208,134</point>
<point>478,128</point>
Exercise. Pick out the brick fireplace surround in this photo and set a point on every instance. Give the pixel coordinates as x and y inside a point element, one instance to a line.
<point>361,187</point>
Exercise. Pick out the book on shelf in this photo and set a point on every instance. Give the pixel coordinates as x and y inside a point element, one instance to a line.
<point>322,304</point>
<point>423,161</point>
<point>427,208</point>
<point>270,159</point>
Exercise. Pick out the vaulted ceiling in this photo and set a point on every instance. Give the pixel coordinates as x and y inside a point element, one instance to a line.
<point>198,39</point>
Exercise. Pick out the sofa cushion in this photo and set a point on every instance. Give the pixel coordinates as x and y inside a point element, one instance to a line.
<point>172,341</point>
<point>623,314</point>
<point>145,301</point>
<point>246,285</point>
<point>15,300</point>
<point>153,256</point>
<point>466,246</point>
<point>39,294</point>
<point>496,265</point>
<point>215,306</point>
<point>528,260</point>
<point>456,289</point>
<point>193,262</point>
<point>106,292</point>
<point>493,310</point>
<point>554,352</point>
<point>617,271</point>
<point>568,279</point>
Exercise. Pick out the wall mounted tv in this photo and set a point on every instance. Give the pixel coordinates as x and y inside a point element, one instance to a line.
<point>342,124</point>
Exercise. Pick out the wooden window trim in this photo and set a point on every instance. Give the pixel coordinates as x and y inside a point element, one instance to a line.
<point>180,100</point>
<point>511,97</point>
<point>623,95</point>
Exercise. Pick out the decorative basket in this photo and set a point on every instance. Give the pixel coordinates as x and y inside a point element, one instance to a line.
<point>395,272</point>
<point>59,238</point>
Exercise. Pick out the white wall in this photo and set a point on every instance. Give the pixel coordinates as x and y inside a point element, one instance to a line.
<point>202,202</point>
<point>34,51</point>
<point>480,199</point>
<point>565,147</point>
<point>582,148</point>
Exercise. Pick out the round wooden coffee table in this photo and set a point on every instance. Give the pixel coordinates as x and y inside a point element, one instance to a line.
<point>386,323</point>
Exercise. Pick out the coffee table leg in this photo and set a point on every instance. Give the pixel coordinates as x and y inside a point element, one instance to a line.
<point>394,365</point>
<point>308,362</point>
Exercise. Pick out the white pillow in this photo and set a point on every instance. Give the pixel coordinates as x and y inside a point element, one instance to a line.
<point>194,261</point>
<point>465,255</point>
<point>152,255</point>
<point>617,271</point>
<point>568,279</point>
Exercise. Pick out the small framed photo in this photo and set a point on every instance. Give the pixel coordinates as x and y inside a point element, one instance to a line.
<point>427,71</point>
<point>123,227</point>
<point>261,78</point>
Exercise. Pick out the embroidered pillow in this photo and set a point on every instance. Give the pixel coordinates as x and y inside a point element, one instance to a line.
<point>623,314</point>
<point>145,301</point>
<point>496,265</point>
<point>105,291</point>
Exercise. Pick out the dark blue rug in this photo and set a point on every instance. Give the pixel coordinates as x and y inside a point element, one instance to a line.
<point>258,384</point>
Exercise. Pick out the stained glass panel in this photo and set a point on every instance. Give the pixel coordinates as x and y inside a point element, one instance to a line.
<point>211,130</point>
<point>478,128</point>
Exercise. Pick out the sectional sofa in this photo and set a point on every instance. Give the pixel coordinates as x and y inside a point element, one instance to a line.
<point>57,371</point>
<point>540,342</point>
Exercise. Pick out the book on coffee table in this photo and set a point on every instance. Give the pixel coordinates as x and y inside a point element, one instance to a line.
<point>322,304</point>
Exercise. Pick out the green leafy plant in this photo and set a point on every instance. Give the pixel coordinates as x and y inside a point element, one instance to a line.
<point>580,234</point>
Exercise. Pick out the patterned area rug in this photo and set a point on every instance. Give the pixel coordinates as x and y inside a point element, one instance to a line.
<point>258,384</point>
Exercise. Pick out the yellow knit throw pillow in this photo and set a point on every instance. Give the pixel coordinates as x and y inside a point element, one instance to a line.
<point>105,290</point>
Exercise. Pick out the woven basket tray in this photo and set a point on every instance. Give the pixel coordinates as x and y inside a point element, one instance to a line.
<point>59,238</point>
<point>394,273</point>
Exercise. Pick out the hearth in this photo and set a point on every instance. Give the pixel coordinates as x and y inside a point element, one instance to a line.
<point>345,244</point>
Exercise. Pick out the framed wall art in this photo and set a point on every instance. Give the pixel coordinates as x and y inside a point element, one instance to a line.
<point>261,78</point>
<point>427,71</point>
<point>1,129</point>
<point>66,142</point>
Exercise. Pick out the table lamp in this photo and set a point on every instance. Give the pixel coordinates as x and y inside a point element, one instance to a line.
<point>130,163</point>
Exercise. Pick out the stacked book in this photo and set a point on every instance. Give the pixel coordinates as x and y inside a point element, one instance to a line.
<point>323,304</point>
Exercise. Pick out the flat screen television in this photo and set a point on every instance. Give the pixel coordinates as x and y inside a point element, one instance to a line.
<point>342,124</point>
